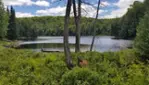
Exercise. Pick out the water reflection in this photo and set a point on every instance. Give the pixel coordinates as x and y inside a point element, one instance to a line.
<point>102,43</point>
<point>52,47</point>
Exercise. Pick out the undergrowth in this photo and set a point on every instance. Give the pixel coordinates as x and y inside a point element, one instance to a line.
<point>25,67</point>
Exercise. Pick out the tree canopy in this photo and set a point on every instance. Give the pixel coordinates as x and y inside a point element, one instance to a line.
<point>126,26</point>
<point>53,26</point>
<point>142,39</point>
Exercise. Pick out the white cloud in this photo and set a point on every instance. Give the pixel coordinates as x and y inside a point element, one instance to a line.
<point>17,2</point>
<point>122,5</point>
<point>126,3</point>
<point>26,2</point>
<point>87,11</point>
<point>42,3</point>
<point>57,11</point>
<point>20,14</point>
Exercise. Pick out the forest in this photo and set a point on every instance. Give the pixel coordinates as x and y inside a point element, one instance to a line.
<point>124,27</point>
<point>53,26</point>
<point>27,67</point>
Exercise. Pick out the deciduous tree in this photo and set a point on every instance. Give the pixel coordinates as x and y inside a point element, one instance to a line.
<point>3,21</point>
<point>142,39</point>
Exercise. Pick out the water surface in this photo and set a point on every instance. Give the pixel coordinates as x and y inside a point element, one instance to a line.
<point>102,43</point>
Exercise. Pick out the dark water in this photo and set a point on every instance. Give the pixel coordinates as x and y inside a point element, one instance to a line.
<point>102,43</point>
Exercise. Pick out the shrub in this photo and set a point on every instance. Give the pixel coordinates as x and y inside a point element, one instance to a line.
<point>136,75</point>
<point>127,57</point>
<point>23,67</point>
<point>80,76</point>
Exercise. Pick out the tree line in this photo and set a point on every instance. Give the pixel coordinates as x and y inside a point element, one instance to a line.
<point>125,27</point>
<point>53,26</point>
<point>8,26</point>
<point>29,28</point>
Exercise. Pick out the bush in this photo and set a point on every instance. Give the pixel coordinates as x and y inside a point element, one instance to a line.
<point>23,67</point>
<point>80,76</point>
<point>142,39</point>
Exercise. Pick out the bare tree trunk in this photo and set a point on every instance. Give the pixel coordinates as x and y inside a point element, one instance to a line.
<point>66,36</point>
<point>94,34</point>
<point>77,23</point>
<point>75,12</point>
<point>78,27</point>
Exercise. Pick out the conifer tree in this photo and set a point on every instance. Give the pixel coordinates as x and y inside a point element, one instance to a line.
<point>12,30</point>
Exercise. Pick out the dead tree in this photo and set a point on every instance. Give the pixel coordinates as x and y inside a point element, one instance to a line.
<point>94,32</point>
<point>66,35</point>
<point>77,17</point>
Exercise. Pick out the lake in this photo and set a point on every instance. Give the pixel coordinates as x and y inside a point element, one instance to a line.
<point>102,43</point>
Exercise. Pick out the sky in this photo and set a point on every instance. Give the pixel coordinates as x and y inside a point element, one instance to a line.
<point>30,8</point>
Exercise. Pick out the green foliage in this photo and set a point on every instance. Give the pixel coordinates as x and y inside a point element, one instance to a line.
<point>126,26</point>
<point>115,27</point>
<point>3,21</point>
<point>29,28</point>
<point>80,76</point>
<point>142,39</point>
<point>136,74</point>
<point>24,67</point>
<point>53,26</point>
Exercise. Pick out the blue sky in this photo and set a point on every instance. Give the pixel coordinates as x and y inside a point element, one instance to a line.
<point>30,8</point>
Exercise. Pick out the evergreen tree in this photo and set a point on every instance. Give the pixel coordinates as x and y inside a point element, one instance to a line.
<point>142,39</point>
<point>12,30</point>
<point>3,21</point>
